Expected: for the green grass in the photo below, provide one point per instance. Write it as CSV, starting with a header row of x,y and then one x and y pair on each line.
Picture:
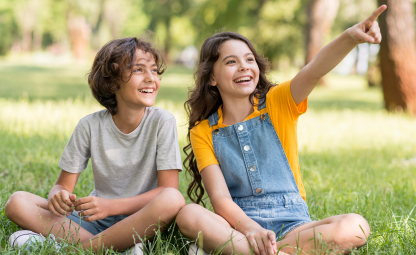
x,y
354,156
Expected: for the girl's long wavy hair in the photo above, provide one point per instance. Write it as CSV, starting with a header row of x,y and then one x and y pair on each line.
x,y
205,99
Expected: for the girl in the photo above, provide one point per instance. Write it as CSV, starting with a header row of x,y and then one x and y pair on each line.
x,y
242,130
134,153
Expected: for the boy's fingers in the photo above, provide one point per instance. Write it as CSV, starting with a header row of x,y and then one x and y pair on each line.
x,y
73,197
82,200
58,208
375,14
52,210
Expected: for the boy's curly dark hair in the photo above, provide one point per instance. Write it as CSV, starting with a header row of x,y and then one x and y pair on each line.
x,y
114,63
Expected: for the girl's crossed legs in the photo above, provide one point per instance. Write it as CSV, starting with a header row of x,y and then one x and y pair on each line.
x,y
340,233
31,212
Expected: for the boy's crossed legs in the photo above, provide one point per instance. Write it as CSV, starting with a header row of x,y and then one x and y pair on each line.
x,y
31,212
340,232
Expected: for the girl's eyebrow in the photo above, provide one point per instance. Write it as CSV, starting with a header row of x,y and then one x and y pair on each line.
x,y
234,56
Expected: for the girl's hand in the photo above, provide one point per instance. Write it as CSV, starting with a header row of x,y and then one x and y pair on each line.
x,y
367,30
262,240
96,208
60,204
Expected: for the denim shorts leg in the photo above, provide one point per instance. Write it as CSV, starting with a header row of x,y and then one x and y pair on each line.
x,y
280,213
98,226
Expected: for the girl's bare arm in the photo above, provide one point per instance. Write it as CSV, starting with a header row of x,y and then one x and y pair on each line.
x,y
224,206
330,56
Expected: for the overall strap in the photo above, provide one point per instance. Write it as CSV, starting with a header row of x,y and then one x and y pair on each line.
x,y
213,119
262,104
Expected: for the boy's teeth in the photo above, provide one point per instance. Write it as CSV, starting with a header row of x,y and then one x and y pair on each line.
x,y
146,90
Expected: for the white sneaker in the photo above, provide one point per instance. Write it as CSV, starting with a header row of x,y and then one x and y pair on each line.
x,y
196,250
29,238
135,250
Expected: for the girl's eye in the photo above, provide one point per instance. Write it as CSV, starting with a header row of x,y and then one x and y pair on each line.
x,y
230,62
250,59
154,70
138,70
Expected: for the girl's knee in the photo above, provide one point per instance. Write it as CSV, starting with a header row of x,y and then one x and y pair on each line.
x,y
188,216
353,229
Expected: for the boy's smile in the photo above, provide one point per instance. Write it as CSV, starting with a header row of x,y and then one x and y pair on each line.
x,y
142,87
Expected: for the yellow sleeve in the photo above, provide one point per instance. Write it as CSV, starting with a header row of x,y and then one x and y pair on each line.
x,y
201,141
280,97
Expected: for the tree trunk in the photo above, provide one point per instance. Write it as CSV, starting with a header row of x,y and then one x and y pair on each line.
x,y
79,32
398,55
321,15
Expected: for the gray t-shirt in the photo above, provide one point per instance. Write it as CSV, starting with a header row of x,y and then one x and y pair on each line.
x,y
124,165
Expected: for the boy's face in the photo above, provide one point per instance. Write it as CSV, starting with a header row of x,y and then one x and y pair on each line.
x,y
141,90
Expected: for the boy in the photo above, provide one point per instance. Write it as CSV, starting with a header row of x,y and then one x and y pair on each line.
x,y
134,154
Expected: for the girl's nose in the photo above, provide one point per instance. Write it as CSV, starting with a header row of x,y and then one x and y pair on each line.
x,y
244,68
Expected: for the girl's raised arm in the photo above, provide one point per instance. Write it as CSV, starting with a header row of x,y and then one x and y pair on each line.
x,y
330,56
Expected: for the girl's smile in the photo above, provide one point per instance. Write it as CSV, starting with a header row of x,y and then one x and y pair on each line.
x,y
236,72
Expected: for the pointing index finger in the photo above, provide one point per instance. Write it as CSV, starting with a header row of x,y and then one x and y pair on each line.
x,y
376,13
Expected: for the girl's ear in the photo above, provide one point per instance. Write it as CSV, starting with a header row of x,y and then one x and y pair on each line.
x,y
212,81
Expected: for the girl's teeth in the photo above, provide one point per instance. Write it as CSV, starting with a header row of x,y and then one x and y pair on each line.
x,y
243,79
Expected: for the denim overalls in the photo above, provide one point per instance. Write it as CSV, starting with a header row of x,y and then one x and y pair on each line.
x,y
258,174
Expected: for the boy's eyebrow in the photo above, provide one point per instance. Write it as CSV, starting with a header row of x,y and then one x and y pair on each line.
x,y
230,56
137,64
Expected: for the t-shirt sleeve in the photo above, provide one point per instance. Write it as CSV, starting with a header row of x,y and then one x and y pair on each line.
x,y
77,152
201,141
280,97
168,155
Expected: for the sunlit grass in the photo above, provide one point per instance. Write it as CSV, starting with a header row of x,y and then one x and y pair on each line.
x,y
354,156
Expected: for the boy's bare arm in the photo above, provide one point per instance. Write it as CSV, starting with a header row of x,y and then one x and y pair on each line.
x,y
99,208
60,197
332,54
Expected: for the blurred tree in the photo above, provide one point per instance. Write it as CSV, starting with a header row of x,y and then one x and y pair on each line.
x,y
26,16
321,15
8,27
274,26
398,55
161,13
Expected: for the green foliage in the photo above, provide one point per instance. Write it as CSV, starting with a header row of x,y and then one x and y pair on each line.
x,y
8,28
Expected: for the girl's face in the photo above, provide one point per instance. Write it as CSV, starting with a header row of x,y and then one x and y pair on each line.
x,y
236,72
141,90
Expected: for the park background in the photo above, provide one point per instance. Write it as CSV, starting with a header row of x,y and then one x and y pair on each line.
x,y
357,142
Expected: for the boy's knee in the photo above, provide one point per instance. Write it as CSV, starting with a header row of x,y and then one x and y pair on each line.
x,y
172,199
14,204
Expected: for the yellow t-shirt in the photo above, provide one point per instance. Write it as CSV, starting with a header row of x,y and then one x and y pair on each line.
x,y
284,114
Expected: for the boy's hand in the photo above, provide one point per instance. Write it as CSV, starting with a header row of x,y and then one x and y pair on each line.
x,y
262,240
367,30
60,204
96,208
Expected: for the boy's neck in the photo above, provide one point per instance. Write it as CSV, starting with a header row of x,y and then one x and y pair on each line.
x,y
127,120
236,111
